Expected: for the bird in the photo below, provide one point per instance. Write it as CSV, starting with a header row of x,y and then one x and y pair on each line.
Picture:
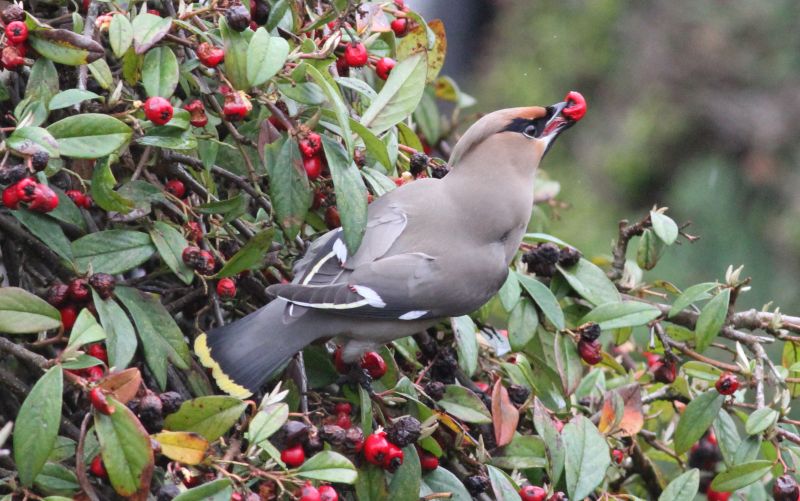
x,y
432,249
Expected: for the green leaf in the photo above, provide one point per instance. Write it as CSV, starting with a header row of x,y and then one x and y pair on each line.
x,y
160,72
523,452
210,416
71,97
568,362
37,422
85,331
148,30
617,315
590,282
101,73
288,186
218,490
649,250
587,457
329,466
378,181
235,55
761,420
682,488
170,244
789,358
702,370
250,256
740,475
727,436
126,451
664,227
696,418
357,85
266,423
46,230
325,81
24,313
406,481
442,480
399,96
57,479
120,336
553,442
464,405
112,251
65,47
690,295
544,298
173,138
466,343
509,293
90,135
351,194
711,320
67,211
502,485
103,193
120,34
29,140
162,339
265,57
371,484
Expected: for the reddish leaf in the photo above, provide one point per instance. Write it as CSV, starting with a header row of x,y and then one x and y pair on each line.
x,y
505,416
622,411
122,385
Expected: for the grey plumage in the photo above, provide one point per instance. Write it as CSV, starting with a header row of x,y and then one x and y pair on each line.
x,y
433,248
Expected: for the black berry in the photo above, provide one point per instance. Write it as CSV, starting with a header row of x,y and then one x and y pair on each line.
x,y
589,331
785,488
568,257
476,484
170,401
439,172
403,431
518,393
418,163
167,492
238,17
333,434
103,283
435,390
39,160
12,174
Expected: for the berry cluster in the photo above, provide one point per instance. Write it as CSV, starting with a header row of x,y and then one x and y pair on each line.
x,y
35,196
543,258
199,259
313,155
16,37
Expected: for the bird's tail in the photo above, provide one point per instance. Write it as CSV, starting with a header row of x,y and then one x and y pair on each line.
x,y
244,354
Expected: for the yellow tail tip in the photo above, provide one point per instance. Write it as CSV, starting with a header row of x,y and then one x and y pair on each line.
x,y
224,381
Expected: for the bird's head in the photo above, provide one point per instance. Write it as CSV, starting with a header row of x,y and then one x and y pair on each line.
x,y
524,134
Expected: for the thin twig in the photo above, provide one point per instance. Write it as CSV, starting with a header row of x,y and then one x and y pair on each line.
x,y
80,467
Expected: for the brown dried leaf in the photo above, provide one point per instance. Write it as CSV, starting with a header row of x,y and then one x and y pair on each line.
x,y
622,411
505,415
124,385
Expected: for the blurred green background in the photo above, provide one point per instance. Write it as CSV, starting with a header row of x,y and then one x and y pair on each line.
x,y
693,104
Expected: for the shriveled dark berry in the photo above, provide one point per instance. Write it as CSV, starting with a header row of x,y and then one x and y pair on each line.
x,y
705,455
548,252
313,444
439,172
444,368
151,413
260,12
785,488
228,248
568,256
589,331
238,17
435,390
518,393
12,13
476,484
291,433
167,492
332,434
665,371
39,160
104,284
12,174
354,439
170,401
403,431
79,290
541,260
590,351
418,163
57,295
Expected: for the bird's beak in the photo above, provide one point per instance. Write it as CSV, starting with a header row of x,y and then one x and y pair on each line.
x,y
564,114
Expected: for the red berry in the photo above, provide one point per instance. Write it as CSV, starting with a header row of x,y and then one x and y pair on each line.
x,y
191,256
99,401
713,495
400,26
313,167
78,197
207,263
665,371
384,66
328,493
194,232
44,199
209,56
711,437
98,351
57,295
651,358
393,458
68,315
309,493
97,467
10,197
94,373
374,364
293,456
226,288
482,386
79,290
428,461
154,12
341,66
590,351
355,54
16,32
400,4
197,112
785,488
311,145
727,384
176,188
234,112
376,448
344,408
532,493
576,106
13,57
341,366
343,421
158,110
26,189
618,456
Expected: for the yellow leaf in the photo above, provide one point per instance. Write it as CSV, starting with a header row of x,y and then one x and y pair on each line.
x,y
184,446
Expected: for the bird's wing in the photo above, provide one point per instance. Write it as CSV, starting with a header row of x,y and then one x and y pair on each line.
x,y
399,287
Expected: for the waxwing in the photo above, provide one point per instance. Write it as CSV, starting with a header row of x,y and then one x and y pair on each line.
x,y
432,249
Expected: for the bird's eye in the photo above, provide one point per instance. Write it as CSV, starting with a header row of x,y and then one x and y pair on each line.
x,y
530,131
